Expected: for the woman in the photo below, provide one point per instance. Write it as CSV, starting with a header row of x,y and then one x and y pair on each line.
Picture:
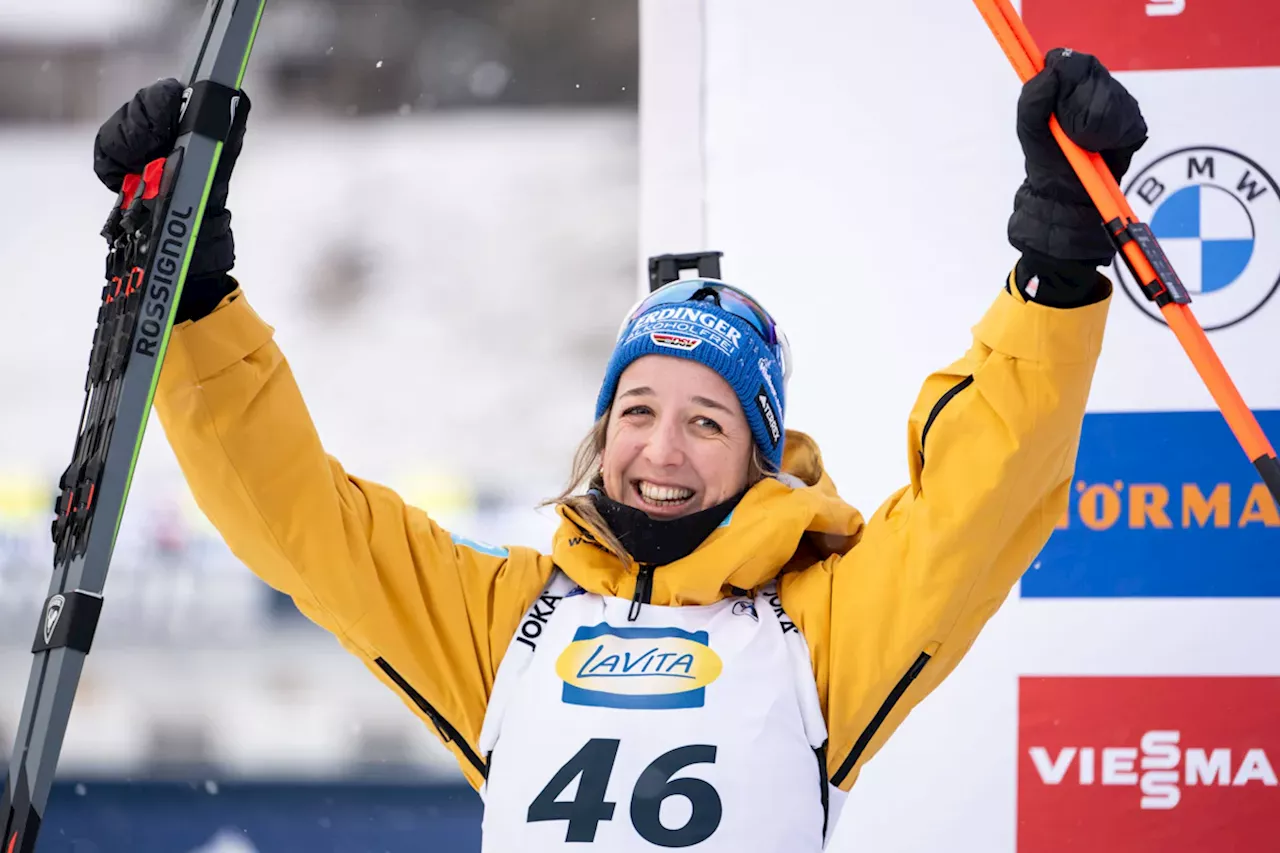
x,y
716,638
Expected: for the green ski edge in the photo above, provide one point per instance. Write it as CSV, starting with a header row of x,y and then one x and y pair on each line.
x,y
182,279
244,63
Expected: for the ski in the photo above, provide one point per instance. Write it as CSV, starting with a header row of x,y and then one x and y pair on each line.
x,y
150,234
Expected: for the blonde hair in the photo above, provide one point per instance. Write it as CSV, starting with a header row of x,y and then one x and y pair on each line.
x,y
586,474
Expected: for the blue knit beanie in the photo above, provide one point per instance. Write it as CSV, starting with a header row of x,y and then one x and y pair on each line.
x,y
703,332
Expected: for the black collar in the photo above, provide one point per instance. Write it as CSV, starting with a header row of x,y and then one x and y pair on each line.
x,y
656,542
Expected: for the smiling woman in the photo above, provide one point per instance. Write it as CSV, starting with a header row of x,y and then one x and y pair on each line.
x,y
678,441
674,444
710,546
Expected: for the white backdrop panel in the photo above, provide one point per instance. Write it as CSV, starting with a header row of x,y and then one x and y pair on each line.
x,y
856,162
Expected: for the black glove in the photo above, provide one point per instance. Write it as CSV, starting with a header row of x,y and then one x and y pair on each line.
x,y
1054,223
145,128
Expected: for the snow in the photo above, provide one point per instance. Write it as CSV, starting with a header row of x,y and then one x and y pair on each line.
x,y
74,20
227,841
447,289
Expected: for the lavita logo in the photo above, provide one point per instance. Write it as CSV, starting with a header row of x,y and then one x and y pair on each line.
x,y
51,614
637,668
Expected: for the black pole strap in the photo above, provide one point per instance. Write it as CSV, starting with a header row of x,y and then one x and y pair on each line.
x,y
1166,287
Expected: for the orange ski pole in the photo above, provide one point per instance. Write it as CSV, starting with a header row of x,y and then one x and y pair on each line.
x,y
1141,252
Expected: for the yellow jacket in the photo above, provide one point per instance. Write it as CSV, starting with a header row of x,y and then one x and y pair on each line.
x,y
888,607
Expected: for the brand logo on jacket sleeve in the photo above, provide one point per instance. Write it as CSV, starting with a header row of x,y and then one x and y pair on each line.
x,y
646,668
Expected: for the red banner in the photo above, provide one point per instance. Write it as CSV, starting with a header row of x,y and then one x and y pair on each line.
x,y
1148,765
1139,35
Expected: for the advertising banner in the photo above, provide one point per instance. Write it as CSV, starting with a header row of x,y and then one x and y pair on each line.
x,y
205,816
1145,35
1164,504
1216,213
1148,765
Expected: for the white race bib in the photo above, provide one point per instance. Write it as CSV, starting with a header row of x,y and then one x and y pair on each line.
x,y
690,727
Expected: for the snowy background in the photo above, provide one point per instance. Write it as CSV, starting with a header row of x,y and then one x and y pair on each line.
x,y
443,208
436,209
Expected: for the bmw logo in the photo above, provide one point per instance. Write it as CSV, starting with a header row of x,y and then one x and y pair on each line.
x,y
1216,214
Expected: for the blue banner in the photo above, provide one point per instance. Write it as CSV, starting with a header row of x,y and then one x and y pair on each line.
x,y
1163,504
209,817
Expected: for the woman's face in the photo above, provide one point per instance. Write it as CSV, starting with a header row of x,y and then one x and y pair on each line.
x,y
677,440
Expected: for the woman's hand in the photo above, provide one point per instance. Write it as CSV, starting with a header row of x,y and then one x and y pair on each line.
x,y
146,128
1053,216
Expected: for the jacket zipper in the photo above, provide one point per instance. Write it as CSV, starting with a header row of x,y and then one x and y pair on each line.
x,y
826,792
909,676
448,732
939,406
644,591
878,720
